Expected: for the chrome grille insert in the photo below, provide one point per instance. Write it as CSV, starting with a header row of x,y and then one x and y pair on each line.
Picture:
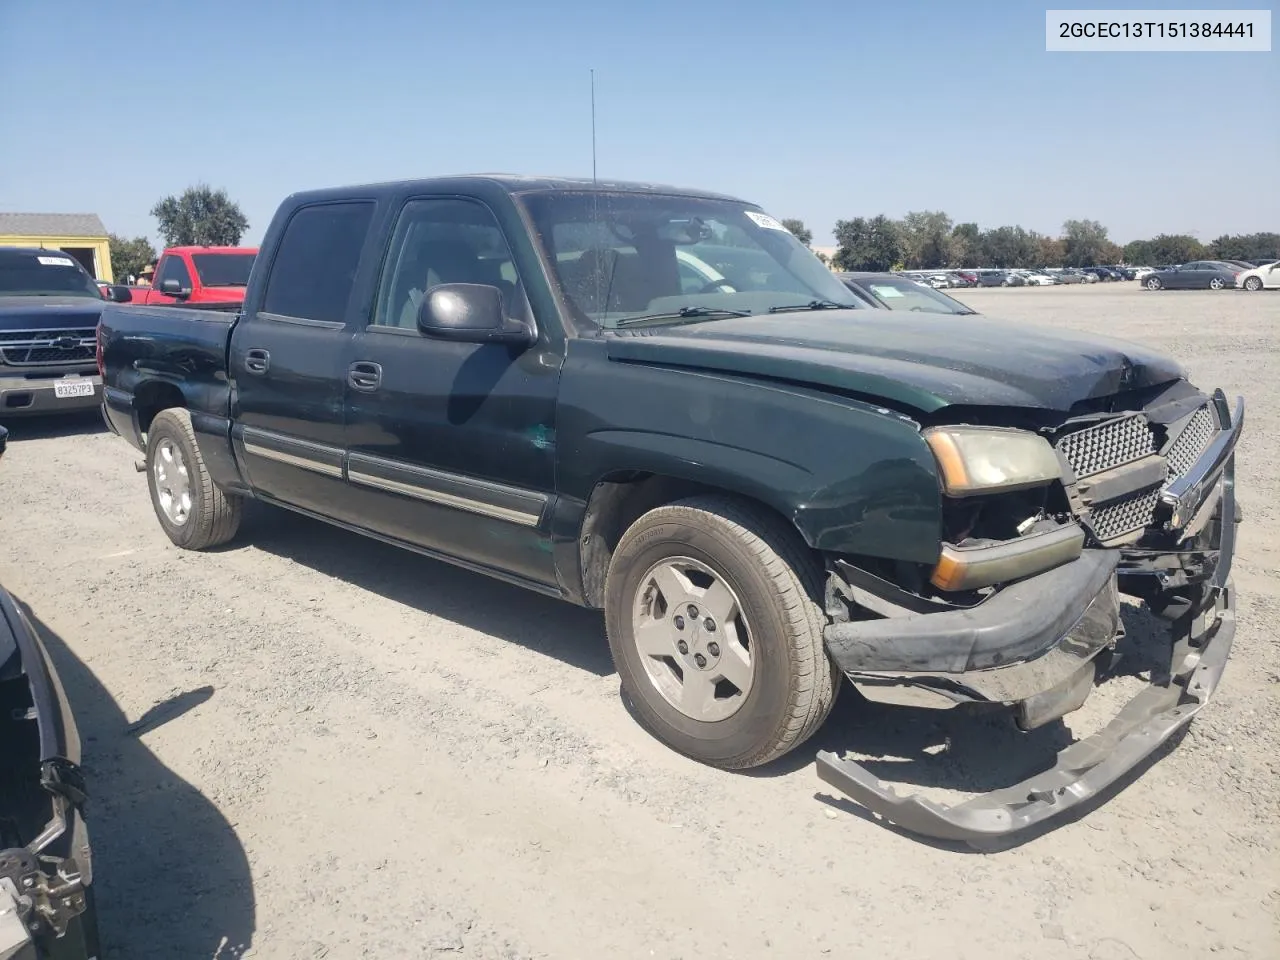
x,y
1113,520
24,348
1103,446
1187,446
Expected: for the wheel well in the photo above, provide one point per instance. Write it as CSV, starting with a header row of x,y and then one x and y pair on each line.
x,y
152,397
617,501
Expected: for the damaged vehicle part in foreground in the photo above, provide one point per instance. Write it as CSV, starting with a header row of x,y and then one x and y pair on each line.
x,y
46,907
1036,643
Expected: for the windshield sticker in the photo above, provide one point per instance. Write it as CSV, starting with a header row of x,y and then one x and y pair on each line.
x,y
56,261
764,221
886,291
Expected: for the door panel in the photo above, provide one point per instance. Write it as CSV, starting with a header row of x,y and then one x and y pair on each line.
x,y
287,361
454,448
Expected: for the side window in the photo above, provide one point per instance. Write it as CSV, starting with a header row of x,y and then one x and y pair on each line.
x,y
442,241
173,268
315,267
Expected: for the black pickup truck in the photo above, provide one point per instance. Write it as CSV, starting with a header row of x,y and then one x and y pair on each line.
x,y
659,403
49,307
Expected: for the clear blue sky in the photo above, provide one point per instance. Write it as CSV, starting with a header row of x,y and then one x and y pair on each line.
x,y
816,110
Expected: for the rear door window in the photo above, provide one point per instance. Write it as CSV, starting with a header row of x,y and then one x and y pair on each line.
x,y
314,269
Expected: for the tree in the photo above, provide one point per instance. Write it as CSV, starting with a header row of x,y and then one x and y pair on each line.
x,y
865,244
799,230
1172,248
1086,242
1248,246
128,257
1050,252
926,239
1009,247
200,217
966,245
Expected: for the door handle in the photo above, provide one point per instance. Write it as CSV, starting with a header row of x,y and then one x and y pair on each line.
x,y
257,361
364,376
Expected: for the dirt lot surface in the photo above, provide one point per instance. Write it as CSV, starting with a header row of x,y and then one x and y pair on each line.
x,y
312,745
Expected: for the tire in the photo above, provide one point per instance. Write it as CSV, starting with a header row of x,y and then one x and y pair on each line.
x,y
1153,283
766,572
1253,284
194,513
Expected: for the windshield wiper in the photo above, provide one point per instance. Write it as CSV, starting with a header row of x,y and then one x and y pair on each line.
x,y
686,313
814,305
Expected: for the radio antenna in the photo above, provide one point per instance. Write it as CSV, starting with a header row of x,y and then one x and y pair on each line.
x,y
593,126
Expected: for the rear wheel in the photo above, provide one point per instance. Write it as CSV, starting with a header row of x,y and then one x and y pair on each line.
x,y
1216,283
194,513
1153,283
716,632
1253,284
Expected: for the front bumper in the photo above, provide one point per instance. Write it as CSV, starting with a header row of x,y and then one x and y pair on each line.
x,y
27,397
1034,645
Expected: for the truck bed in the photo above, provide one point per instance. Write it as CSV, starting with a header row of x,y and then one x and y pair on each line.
x,y
156,354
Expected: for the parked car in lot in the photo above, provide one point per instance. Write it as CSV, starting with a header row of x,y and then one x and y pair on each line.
x,y
199,275
1264,277
49,308
764,487
46,875
892,291
1196,275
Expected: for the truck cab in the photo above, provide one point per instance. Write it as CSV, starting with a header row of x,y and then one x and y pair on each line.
x,y
199,275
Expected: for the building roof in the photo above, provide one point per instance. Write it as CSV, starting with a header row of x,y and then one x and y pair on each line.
x,y
51,225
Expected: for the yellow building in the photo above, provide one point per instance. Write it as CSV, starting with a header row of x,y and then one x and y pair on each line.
x,y
78,235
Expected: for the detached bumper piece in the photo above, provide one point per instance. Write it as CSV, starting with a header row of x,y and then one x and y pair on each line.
x,y
1083,769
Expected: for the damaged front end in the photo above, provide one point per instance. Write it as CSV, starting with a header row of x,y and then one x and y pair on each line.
x,y
1143,505
45,858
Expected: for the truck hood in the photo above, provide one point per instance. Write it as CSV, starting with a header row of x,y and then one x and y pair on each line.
x,y
924,361
49,313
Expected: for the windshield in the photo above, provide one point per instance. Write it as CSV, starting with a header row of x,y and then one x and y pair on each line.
x,y
622,257
899,293
224,269
44,273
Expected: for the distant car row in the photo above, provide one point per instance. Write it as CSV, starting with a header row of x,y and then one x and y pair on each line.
x,y
1198,274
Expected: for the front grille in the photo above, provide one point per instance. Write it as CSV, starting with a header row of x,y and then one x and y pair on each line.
x,y
1114,443
1103,446
1192,441
1113,520
21,348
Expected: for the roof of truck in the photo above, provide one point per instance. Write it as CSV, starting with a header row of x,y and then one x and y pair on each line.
x,y
518,183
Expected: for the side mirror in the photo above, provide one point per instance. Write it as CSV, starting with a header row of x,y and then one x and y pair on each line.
x,y
469,313
119,294
174,288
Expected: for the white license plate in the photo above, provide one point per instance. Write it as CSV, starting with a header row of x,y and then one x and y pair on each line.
x,y
63,389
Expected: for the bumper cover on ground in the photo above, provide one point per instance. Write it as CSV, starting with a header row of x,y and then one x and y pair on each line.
x,y
1082,770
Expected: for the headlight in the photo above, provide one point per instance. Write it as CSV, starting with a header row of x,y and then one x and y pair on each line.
x,y
985,459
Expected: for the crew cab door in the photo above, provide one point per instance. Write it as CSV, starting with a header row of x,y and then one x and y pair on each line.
x,y
451,446
287,359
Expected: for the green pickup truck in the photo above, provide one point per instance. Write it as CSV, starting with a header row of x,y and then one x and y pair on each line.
x,y
658,402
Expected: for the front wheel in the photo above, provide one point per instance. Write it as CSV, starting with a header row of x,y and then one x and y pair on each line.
x,y
714,623
1253,284
194,513
1153,283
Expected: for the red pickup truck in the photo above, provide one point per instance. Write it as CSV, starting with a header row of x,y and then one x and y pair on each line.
x,y
199,275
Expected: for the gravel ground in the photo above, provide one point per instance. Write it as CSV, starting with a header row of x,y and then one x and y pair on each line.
x,y
310,745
